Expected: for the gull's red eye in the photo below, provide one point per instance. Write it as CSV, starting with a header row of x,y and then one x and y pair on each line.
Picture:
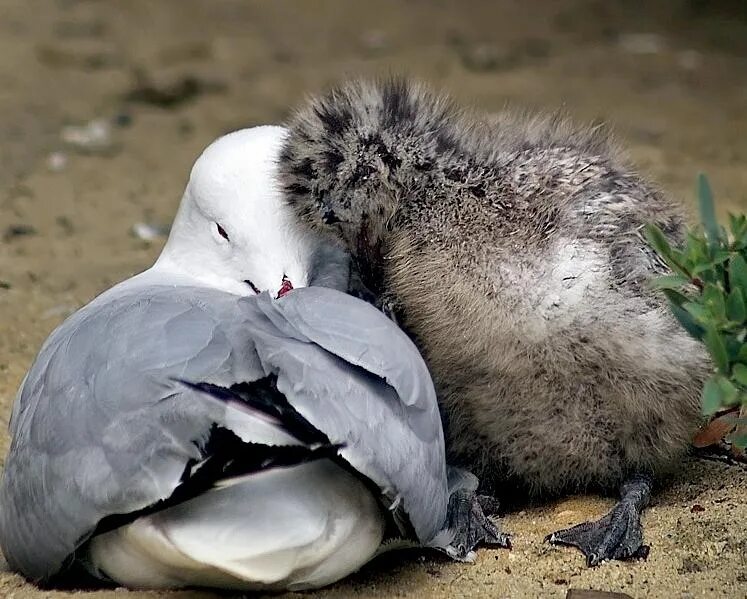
x,y
222,232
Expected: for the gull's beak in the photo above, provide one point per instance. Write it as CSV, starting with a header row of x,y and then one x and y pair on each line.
x,y
285,288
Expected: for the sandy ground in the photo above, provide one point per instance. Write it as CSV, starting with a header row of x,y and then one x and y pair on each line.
x,y
170,76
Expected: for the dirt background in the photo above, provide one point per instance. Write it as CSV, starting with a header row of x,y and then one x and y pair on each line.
x,y
167,77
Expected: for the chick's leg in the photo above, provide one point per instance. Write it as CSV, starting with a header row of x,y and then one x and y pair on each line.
x,y
619,534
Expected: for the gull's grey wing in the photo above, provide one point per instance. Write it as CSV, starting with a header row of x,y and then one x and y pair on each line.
x,y
99,427
370,389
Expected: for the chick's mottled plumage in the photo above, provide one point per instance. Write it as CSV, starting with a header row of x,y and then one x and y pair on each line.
x,y
511,249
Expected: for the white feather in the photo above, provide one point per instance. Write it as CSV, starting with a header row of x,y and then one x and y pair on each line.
x,y
296,528
233,184
253,427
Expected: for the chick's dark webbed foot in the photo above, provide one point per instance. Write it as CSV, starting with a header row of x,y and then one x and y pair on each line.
x,y
473,518
619,534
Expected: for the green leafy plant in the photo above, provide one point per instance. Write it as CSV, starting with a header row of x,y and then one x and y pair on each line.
x,y
707,292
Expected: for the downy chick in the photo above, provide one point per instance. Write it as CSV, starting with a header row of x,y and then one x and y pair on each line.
x,y
511,251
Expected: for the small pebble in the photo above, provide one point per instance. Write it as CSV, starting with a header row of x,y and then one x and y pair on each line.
x,y
149,232
93,137
14,231
123,119
57,162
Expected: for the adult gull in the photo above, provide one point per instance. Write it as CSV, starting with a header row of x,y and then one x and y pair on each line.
x,y
229,418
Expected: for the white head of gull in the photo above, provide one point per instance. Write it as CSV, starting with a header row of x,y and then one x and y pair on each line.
x,y
233,231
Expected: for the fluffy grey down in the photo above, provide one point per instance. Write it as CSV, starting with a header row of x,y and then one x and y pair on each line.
x,y
510,248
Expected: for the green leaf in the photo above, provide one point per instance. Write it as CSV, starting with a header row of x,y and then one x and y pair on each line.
x,y
707,211
742,357
659,242
729,392
713,298
733,347
737,224
696,247
675,297
669,282
735,306
738,274
717,348
701,268
723,236
720,257
699,312
711,397
738,440
739,373
688,322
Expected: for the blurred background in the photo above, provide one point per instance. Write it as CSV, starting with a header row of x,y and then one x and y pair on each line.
x,y
671,75
105,104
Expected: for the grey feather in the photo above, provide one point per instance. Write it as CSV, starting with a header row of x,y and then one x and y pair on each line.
x,y
330,267
400,419
99,426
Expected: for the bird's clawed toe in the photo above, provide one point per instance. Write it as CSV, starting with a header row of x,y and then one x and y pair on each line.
x,y
618,535
473,519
